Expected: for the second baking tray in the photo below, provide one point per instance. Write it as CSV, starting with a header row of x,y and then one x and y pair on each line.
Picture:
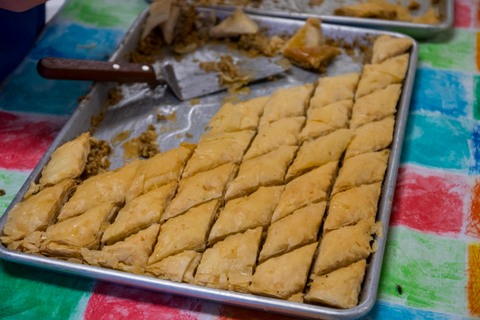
x,y
301,9
139,108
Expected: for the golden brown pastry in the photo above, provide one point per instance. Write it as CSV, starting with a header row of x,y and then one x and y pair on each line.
x,y
287,102
186,232
66,238
334,89
378,10
351,206
324,120
293,231
245,213
110,186
234,25
375,106
37,212
67,162
229,263
284,276
218,149
320,151
130,255
178,268
366,168
371,137
272,135
339,288
386,46
235,117
266,170
309,188
380,75
159,170
139,213
344,246
200,188
30,244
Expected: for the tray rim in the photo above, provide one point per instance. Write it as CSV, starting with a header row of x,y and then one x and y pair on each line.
x,y
223,296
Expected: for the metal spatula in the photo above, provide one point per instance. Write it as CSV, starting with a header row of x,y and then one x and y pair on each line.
x,y
186,82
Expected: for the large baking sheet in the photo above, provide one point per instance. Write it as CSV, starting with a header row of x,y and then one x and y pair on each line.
x,y
139,108
300,9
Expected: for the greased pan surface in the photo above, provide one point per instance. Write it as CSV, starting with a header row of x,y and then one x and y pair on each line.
x,y
139,108
302,9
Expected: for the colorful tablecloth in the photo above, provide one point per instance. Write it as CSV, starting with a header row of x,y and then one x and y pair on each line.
x,y
432,260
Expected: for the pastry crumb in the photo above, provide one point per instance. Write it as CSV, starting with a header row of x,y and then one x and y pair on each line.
x,y
114,96
97,159
144,146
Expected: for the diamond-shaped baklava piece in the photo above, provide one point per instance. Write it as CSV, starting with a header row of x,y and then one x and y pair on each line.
x,y
284,276
178,268
334,89
339,288
293,231
245,213
139,213
229,263
266,170
371,137
200,188
344,246
306,189
385,47
185,232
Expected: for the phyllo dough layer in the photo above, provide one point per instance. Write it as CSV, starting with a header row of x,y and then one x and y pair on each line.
x,y
386,47
333,89
178,268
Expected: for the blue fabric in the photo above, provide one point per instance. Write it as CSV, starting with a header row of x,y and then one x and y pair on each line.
x,y
18,31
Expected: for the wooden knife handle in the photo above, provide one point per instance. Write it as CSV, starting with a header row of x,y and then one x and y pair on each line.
x,y
73,69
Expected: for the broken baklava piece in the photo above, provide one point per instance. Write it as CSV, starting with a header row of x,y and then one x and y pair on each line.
x,y
307,47
376,105
320,151
306,189
287,102
266,170
200,188
229,264
110,186
130,255
37,212
380,75
66,238
178,268
365,168
272,135
67,162
234,25
245,213
298,229
325,120
284,276
344,246
218,149
377,10
386,47
159,170
185,232
371,137
334,89
351,206
339,288
139,213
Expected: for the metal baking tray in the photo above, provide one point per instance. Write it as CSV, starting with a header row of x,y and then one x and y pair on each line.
x,y
139,108
300,9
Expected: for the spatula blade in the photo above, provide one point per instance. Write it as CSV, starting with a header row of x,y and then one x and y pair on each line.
x,y
188,84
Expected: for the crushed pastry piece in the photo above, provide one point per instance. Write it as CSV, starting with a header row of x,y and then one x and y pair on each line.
x,y
260,44
339,288
307,47
234,25
144,146
228,72
97,160
114,96
368,10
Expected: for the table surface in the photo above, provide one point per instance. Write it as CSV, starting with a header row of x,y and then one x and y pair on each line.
x,y
433,247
